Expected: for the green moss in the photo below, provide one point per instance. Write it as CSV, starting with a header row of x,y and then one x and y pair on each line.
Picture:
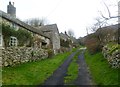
x,y
101,71
113,48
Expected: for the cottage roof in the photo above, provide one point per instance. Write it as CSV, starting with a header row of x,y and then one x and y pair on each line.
x,y
64,36
47,29
21,23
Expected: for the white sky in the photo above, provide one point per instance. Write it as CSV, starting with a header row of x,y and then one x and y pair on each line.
x,y
67,14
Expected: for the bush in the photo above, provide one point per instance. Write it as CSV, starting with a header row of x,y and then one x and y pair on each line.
x,y
93,44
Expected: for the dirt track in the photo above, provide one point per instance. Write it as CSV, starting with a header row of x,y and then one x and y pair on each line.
x,y
57,78
84,77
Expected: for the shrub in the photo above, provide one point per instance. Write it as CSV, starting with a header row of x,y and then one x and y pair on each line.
x,y
92,43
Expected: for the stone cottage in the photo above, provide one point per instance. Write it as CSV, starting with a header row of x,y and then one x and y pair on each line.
x,y
10,19
52,32
15,51
70,40
64,37
65,42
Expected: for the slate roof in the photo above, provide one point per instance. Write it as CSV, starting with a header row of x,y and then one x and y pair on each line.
x,y
21,23
64,36
49,29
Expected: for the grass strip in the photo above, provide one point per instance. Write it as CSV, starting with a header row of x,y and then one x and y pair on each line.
x,y
101,71
72,72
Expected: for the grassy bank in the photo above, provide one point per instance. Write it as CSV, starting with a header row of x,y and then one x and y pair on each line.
x,y
101,72
72,70
32,73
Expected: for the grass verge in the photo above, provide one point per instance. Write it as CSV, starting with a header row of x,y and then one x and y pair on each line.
x,y
32,73
102,73
72,70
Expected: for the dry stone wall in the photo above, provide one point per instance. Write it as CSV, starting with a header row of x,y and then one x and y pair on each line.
x,y
17,55
112,57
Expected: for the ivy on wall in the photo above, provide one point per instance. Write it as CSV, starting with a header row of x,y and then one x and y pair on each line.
x,y
24,37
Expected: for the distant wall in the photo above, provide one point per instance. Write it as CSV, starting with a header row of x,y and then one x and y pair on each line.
x,y
17,55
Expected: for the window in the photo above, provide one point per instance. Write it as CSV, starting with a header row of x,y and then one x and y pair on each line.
x,y
13,41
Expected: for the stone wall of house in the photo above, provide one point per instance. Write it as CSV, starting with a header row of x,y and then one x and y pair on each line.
x,y
17,55
112,56
0,58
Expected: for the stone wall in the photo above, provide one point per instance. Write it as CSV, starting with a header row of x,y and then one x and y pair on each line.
x,y
17,55
112,55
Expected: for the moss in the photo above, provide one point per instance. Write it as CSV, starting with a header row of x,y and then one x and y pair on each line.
x,y
113,48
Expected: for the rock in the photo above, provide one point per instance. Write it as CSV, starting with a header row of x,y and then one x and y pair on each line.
x,y
5,64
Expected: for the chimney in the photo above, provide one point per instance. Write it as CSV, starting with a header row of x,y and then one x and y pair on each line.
x,y
13,3
9,2
65,32
11,9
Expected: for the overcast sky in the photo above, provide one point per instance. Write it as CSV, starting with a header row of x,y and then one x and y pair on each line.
x,y
67,14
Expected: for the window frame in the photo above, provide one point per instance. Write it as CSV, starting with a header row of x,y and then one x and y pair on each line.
x,y
13,41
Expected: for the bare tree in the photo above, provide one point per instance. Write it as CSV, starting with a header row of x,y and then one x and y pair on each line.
x,y
100,22
109,12
70,33
36,22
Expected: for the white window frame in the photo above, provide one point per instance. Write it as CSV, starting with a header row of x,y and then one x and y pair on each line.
x,y
13,41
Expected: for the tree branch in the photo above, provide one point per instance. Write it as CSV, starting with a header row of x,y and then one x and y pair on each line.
x,y
109,13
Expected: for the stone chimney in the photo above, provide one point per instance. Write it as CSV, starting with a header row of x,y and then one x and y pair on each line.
x,y
11,9
65,33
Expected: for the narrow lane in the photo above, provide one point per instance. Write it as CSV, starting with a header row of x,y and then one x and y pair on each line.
x,y
57,78
84,77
